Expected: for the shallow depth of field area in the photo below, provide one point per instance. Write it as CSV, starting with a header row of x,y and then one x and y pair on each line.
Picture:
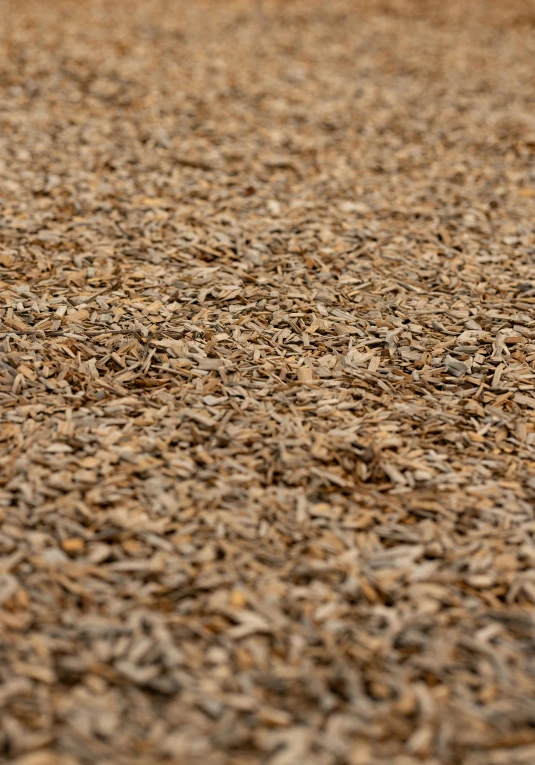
x,y
267,391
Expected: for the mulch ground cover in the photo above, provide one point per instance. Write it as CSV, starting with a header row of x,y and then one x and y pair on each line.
x,y
267,389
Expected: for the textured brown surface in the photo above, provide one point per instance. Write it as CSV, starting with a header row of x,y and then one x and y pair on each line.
x,y
266,383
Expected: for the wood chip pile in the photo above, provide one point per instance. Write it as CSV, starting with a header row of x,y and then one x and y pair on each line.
x,y
267,390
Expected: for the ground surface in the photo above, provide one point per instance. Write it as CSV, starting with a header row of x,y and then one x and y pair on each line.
x,y
267,389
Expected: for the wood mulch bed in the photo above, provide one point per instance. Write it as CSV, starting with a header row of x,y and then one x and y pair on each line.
x,y
267,389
